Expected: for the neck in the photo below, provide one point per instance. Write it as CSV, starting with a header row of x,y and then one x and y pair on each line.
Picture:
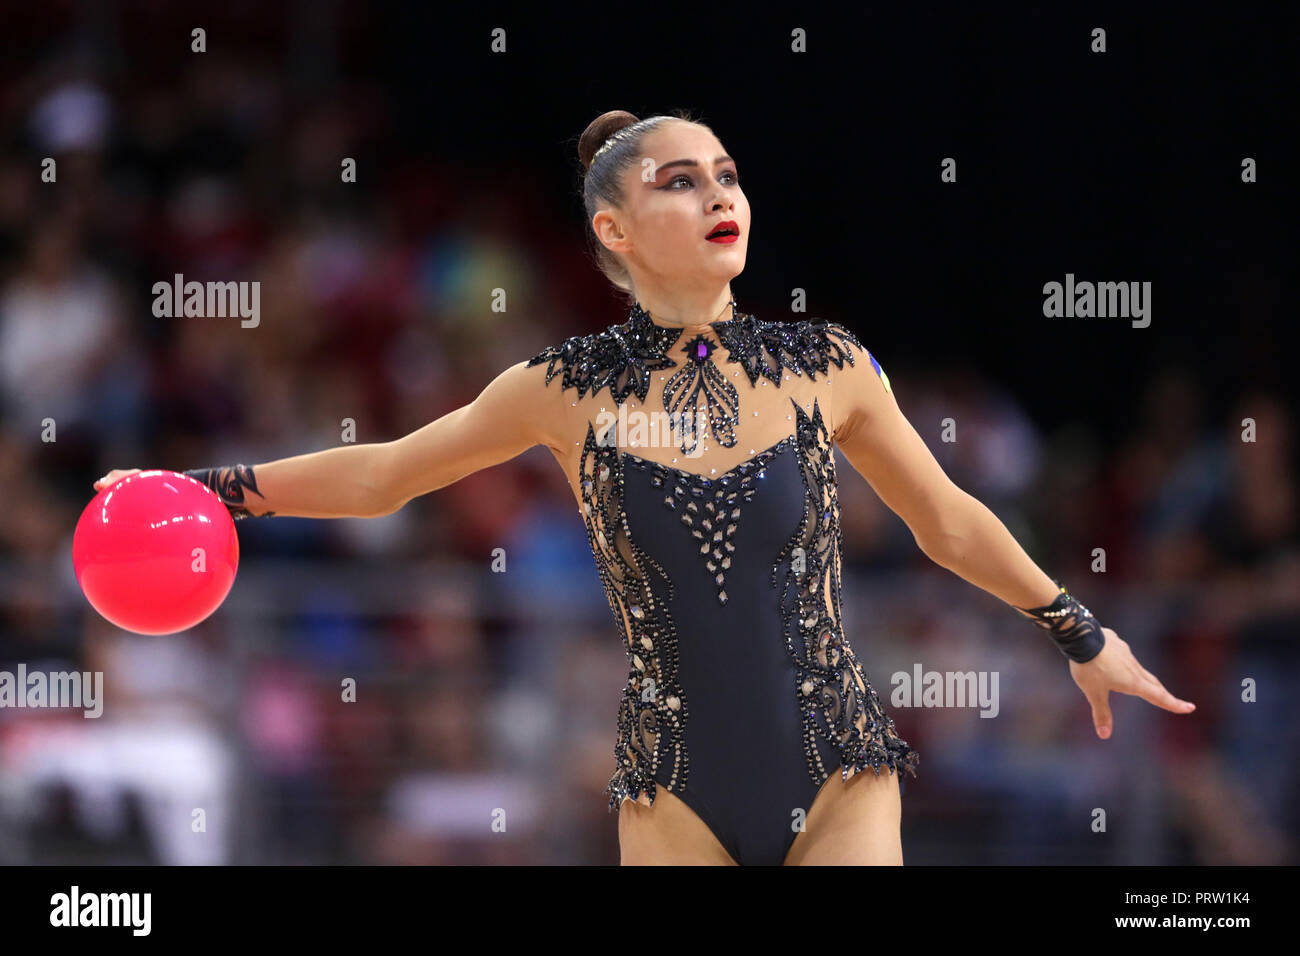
x,y
691,314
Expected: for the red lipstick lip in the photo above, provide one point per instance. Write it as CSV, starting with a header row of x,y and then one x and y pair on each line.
x,y
725,224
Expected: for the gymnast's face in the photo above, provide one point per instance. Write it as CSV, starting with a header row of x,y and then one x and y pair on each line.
x,y
671,203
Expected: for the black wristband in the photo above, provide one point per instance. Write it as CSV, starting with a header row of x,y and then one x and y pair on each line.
x,y
229,482
1071,625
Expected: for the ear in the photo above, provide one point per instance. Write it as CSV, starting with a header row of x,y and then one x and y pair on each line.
x,y
609,231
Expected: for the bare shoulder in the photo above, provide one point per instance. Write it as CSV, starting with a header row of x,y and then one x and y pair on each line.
x,y
520,393
584,374
856,389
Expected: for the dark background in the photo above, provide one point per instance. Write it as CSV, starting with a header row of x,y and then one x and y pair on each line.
x,y
480,687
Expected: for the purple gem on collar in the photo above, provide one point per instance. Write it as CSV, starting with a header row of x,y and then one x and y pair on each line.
x,y
699,349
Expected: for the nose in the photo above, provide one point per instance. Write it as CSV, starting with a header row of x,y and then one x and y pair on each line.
x,y
722,201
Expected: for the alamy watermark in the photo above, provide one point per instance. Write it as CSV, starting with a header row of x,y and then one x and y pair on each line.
x,y
1101,300
75,908
642,429
923,688
59,689
178,298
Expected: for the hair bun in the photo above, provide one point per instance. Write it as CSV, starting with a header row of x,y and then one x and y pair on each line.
x,y
599,130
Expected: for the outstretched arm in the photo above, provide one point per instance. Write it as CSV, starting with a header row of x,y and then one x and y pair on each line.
x,y
370,480
960,533
953,529
515,412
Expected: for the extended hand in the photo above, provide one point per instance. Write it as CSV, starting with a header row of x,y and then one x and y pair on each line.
x,y
114,476
1116,669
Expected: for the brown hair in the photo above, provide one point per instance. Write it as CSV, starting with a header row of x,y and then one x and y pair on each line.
x,y
610,145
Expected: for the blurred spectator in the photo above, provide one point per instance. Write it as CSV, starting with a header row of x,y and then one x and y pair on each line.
x,y
373,691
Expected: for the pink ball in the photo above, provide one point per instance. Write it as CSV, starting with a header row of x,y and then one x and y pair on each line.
x,y
156,552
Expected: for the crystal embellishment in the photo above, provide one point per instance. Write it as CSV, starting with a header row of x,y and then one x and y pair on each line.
x,y
837,706
653,712
622,358
711,506
838,703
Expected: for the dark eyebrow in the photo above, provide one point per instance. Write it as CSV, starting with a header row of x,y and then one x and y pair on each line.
x,y
691,162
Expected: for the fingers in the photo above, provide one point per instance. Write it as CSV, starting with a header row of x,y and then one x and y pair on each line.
x,y
1120,672
113,476
1101,716
1148,688
1153,692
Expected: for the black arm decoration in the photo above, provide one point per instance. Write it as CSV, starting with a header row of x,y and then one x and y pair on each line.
x,y
1071,625
229,483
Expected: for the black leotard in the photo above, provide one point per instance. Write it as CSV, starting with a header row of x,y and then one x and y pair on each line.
x,y
743,693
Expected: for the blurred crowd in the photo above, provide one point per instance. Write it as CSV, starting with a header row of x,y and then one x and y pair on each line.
x,y
482,688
